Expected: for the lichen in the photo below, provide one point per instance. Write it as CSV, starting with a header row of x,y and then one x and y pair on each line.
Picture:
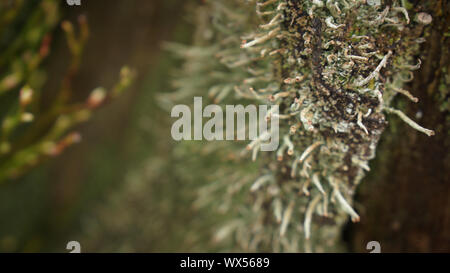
x,y
333,67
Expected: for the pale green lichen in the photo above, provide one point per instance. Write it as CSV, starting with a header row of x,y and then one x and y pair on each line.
x,y
333,67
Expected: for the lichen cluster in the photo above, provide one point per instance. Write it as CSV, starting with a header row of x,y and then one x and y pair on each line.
x,y
333,67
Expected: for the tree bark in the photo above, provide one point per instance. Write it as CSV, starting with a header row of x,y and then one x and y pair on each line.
x,y
406,198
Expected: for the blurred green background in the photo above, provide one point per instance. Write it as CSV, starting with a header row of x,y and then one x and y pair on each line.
x,y
111,192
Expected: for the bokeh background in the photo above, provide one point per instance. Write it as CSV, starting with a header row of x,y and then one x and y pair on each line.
x,y
110,192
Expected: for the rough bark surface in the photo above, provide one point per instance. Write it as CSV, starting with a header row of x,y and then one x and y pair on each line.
x,y
407,196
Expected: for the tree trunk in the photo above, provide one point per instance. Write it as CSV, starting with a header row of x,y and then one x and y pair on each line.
x,y
407,196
